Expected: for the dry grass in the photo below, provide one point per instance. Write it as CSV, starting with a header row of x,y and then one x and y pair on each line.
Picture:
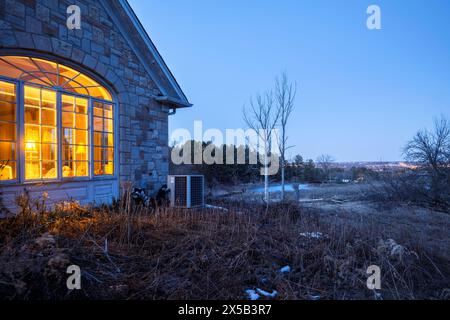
x,y
131,253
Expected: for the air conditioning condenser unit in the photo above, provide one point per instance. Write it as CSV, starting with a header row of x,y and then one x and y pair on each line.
x,y
187,191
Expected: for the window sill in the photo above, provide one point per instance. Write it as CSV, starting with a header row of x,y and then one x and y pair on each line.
x,y
16,183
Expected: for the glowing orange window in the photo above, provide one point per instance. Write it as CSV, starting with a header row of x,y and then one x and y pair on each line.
x,y
8,131
75,140
103,139
62,129
41,137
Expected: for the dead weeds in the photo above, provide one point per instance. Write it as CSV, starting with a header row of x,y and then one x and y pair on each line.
x,y
133,253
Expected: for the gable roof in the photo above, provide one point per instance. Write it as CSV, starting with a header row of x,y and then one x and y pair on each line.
x,y
139,40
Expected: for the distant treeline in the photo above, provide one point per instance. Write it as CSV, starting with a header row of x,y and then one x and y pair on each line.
x,y
297,169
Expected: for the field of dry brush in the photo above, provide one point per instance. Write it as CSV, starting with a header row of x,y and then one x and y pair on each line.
x,y
126,252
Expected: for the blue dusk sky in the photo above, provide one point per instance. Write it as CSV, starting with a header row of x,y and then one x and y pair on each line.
x,y
361,93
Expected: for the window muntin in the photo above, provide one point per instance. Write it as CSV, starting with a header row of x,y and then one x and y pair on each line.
x,y
57,110
50,74
40,138
103,138
8,131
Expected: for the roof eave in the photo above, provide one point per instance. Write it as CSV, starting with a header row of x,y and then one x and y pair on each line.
x,y
173,103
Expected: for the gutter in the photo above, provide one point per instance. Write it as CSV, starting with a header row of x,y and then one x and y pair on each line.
x,y
172,102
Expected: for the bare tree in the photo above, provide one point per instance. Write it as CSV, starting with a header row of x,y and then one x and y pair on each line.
x,y
430,150
262,116
325,162
285,93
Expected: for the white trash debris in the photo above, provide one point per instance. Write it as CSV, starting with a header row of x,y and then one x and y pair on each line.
x,y
252,295
285,269
312,235
267,294
256,294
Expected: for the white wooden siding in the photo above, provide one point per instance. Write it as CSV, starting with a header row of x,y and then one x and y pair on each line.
x,y
85,192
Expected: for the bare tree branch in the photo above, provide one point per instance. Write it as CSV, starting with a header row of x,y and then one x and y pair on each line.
x,y
325,162
262,116
285,93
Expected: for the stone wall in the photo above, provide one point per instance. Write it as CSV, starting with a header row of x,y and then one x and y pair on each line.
x,y
40,26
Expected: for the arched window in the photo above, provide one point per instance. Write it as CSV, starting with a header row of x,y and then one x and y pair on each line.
x,y
56,123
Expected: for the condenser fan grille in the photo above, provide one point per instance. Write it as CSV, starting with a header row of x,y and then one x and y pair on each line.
x,y
196,191
181,191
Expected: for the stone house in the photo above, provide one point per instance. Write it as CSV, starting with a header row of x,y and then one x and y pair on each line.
x,y
83,112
